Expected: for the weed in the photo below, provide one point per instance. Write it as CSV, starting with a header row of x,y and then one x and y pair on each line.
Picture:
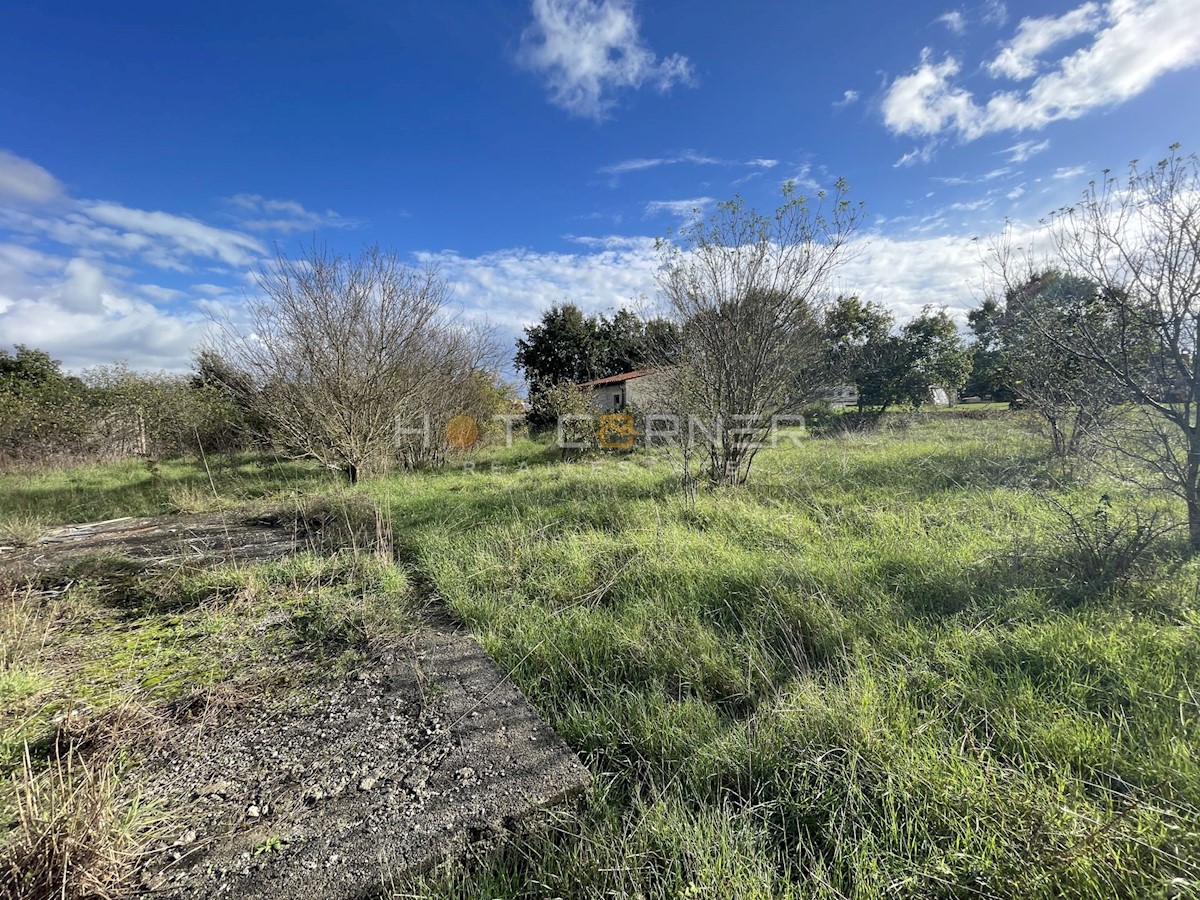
x,y
21,531
76,834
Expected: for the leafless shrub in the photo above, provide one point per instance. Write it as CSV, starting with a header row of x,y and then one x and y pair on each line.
x,y
1138,333
745,290
345,354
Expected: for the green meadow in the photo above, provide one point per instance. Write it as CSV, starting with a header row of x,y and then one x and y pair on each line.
x,y
911,662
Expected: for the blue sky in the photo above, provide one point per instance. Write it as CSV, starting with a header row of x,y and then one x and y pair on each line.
x,y
153,155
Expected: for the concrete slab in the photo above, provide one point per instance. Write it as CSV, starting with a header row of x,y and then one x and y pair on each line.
x,y
335,785
334,792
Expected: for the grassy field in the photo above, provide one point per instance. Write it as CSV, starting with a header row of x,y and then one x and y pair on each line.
x,y
888,667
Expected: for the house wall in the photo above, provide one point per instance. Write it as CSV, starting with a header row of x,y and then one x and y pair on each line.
x,y
608,398
644,392
640,392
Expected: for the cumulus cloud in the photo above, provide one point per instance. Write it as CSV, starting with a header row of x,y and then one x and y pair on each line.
x,y
511,288
81,313
905,274
927,101
23,181
1132,44
588,50
259,213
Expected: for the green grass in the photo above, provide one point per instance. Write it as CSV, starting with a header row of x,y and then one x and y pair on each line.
x,y
862,675
856,677
116,634
141,488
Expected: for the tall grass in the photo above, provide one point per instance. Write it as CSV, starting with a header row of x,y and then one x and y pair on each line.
x,y
857,677
876,671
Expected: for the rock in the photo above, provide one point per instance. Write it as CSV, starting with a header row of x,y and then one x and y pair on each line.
x,y
215,789
367,783
252,812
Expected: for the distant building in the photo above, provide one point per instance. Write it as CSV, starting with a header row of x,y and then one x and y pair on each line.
x,y
616,392
841,395
845,395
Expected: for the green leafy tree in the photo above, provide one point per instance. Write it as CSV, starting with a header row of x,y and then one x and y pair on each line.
x,y
568,347
989,374
891,366
565,345
938,356
43,411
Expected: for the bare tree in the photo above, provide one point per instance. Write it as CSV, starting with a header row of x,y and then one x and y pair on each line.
x,y
342,349
1138,240
745,290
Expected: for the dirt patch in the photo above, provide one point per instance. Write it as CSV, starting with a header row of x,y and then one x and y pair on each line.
x,y
331,784
333,792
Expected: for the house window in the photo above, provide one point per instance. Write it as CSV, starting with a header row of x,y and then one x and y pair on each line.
x,y
616,399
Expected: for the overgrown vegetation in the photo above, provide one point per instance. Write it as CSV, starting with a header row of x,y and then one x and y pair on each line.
x,y
867,674
101,656
884,668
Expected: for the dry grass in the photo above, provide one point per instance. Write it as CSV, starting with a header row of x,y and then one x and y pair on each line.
x,y
21,531
26,620
75,835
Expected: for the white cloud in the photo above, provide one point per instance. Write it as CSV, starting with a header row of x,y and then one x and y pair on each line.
x,y
680,208
1019,57
995,13
1141,40
23,181
848,98
905,274
1016,192
79,313
690,157
260,213
175,237
954,21
511,288
1001,172
1069,172
926,101
921,154
1023,150
588,50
